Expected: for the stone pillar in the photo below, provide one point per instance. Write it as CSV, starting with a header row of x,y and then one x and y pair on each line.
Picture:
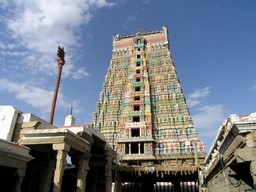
x,y
253,172
33,169
20,173
62,151
251,143
47,170
83,168
108,173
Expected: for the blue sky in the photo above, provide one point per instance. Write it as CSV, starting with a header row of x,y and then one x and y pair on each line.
x,y
213,44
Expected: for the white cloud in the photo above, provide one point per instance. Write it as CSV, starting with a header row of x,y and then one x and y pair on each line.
x,y
200,93
129,20
13,53
44,23
198,96
2,45
209,118
206,117
32,94
7,46
38,27
3,3
31,31
75,73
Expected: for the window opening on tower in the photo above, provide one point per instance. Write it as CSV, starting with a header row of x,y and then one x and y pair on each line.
x,y
137,88
136,107
136,119
137,98
135,132
137,148
138,63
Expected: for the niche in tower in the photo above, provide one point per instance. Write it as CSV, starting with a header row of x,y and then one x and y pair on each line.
x,y
139,41
137,88
136,108
136,98
135,132
135,119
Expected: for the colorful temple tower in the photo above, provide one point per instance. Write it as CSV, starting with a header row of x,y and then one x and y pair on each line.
x,y
142,110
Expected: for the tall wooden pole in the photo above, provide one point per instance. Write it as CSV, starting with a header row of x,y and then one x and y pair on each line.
x,y
61,62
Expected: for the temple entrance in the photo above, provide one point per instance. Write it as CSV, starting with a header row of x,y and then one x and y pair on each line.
x,y
160,181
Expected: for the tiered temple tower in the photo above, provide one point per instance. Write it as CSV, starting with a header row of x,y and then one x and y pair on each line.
x,y
142,110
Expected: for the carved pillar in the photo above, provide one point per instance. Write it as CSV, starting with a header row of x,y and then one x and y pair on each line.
x,y
32,171
46,174
108,173
251,143
83,168
109,156
62,150
253,172
20,173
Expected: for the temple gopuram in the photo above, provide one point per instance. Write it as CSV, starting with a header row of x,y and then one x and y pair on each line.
x,y
143,114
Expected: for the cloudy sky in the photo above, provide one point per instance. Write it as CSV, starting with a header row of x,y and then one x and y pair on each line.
x,y
213,44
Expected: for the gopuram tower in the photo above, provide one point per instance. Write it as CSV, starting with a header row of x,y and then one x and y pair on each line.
x,y
143,113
